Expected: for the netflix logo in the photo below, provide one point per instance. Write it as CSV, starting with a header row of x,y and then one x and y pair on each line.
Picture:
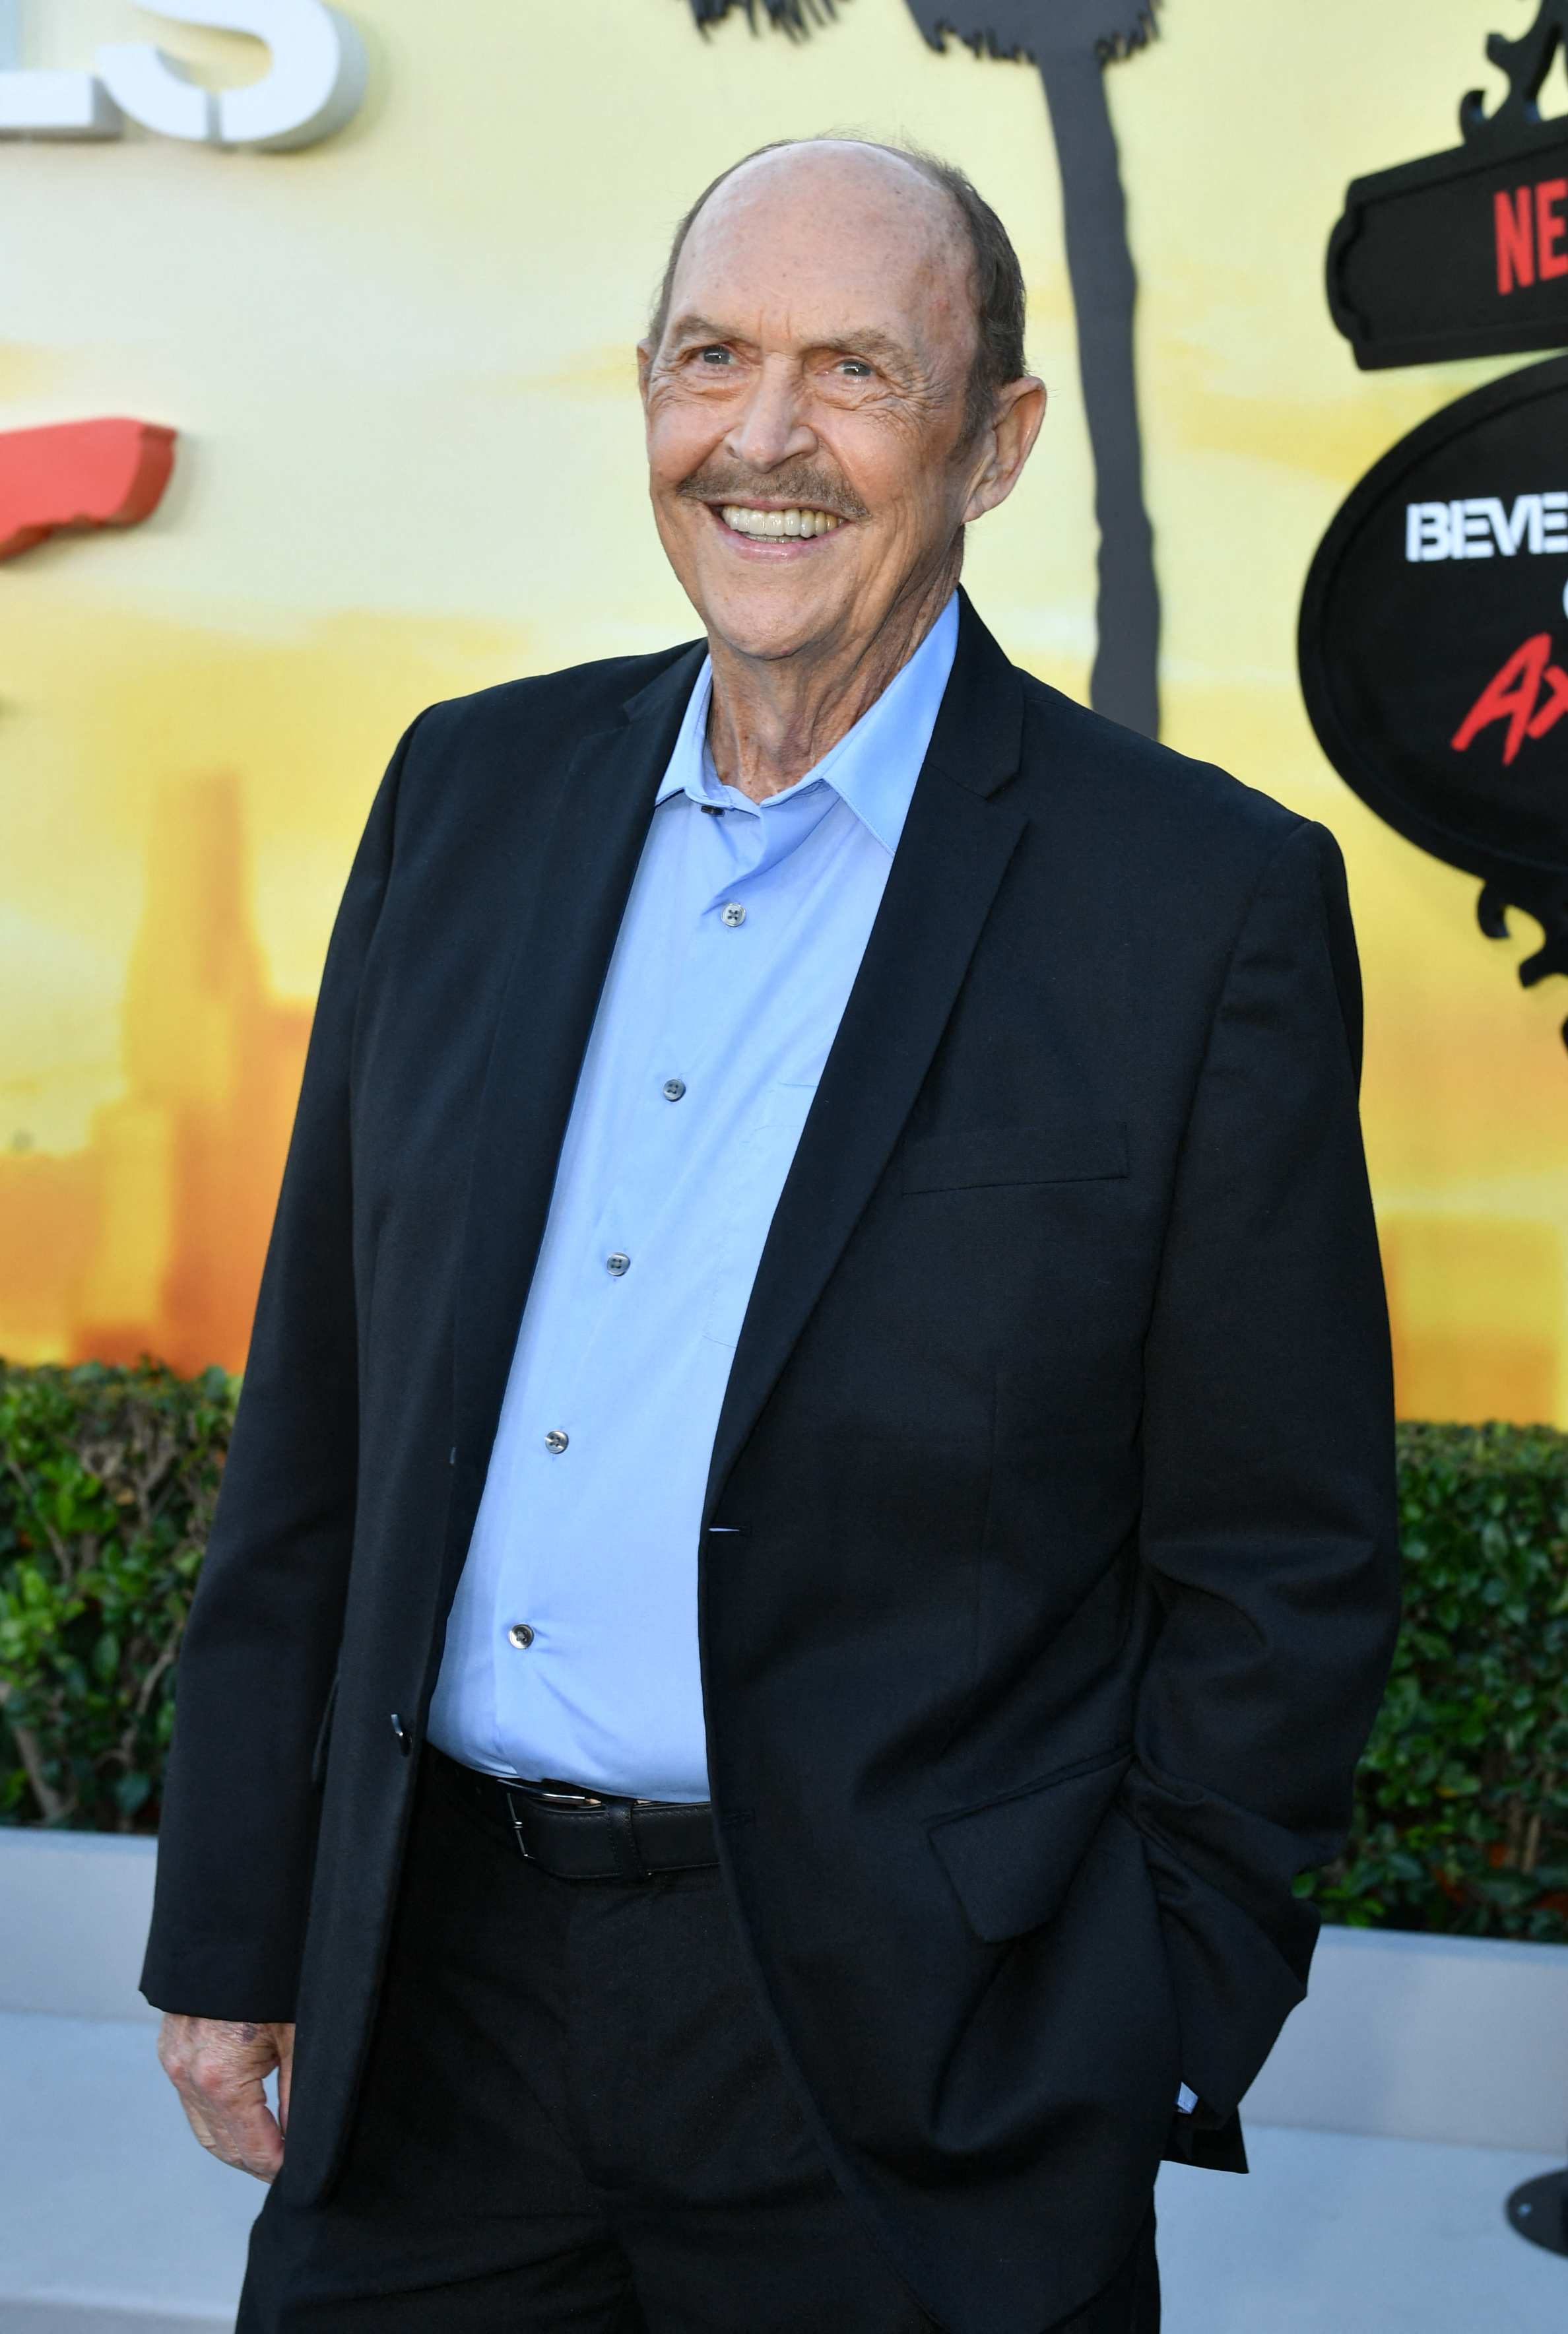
x,y
1463,254
1532,234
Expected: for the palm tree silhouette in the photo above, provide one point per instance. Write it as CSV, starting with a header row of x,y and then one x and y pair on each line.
x,y
1072,41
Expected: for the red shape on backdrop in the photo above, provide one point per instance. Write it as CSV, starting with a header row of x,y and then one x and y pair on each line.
x,y
1510,696
79,475
1515,239
1553,704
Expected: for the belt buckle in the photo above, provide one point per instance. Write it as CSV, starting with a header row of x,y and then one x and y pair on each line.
x,y
548,1793
559,1794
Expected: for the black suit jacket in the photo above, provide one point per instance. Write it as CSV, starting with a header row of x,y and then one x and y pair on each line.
x,y
1048,1575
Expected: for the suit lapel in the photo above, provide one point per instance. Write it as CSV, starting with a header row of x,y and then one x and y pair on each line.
x,y
590,857
953,853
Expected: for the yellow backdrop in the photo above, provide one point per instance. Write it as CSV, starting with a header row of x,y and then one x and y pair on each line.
x,y
409,464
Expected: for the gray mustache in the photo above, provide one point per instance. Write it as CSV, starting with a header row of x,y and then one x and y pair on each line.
x,y
792,482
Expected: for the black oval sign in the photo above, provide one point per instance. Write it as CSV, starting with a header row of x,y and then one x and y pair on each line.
x,y
1434,645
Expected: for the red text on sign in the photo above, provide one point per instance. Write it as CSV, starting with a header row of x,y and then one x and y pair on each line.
x,y
1532,234
1530,694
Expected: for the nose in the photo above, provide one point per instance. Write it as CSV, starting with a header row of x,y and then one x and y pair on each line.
x,y
773,427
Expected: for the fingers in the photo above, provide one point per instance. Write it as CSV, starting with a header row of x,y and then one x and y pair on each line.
x,y
219,2070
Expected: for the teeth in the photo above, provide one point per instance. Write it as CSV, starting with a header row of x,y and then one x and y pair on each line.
x,y
772,526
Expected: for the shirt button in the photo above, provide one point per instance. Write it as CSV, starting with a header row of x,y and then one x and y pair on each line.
x,y
732,913
521,1635
557,1439
617,1263
673,1088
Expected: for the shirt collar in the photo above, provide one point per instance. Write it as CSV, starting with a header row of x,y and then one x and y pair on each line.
x,y
874,766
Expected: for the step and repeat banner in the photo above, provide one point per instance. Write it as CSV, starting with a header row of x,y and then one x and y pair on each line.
x,y
317,403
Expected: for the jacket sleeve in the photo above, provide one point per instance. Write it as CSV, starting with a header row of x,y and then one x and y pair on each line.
x,y
238,1834
1269,1532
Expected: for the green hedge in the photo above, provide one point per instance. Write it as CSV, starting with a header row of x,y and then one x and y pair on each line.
x,y
107,1478
107,1483
1461,1814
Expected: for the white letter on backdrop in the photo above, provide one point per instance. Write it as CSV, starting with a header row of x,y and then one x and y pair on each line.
x,y
48,104
317,81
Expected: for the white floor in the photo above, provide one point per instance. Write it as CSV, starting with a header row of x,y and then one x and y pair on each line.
x,y
111,2216
113,2222
1331,2234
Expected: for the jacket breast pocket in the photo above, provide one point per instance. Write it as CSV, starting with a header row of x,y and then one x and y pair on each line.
x,y
992,1155
1011,1862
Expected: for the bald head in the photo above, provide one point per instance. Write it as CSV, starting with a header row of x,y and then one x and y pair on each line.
x,y
814,450
966,236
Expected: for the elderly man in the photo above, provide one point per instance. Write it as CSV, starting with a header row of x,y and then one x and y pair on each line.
x,y
809,1545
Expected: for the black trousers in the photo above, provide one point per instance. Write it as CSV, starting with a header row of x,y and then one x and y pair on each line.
x,y
575,2123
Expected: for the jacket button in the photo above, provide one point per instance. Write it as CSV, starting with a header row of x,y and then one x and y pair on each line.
x,y
521,1635
405,1740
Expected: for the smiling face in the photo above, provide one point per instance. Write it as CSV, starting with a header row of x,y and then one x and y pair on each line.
x,y
806,404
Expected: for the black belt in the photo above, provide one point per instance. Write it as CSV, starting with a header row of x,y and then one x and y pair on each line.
x,y
577,1835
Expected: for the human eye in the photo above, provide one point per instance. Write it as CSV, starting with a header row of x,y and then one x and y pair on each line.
x,y
715,355
854,368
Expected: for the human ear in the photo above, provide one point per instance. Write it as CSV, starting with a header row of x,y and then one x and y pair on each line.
x,y
1006,444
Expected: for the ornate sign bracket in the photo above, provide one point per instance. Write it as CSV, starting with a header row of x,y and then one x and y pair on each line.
x,y
1527,62
1430,643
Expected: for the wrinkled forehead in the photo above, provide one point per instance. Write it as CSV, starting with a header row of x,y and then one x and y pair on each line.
x,y
829,234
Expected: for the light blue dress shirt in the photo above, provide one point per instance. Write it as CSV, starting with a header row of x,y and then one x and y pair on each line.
x,y
571,1650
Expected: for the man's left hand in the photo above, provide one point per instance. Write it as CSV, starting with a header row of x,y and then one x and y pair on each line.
x,y
219,2067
